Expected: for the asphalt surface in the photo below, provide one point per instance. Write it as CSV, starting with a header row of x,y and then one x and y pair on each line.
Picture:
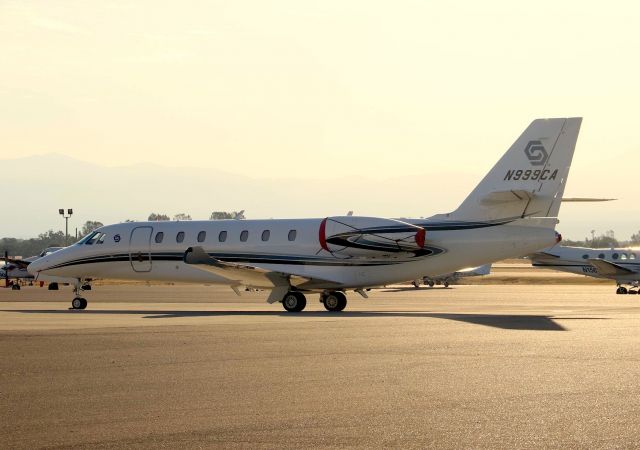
x,y
194,366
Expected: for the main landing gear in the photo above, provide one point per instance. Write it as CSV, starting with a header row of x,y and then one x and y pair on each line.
x,y
624,290
295,301
334,301
79,302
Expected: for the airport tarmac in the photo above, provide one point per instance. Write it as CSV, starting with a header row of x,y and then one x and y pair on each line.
x,y
481,366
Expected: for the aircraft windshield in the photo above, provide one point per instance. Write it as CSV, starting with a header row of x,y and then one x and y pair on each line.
x,y
88,237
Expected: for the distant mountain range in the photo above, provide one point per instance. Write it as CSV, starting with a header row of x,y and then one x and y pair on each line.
x,y
36,186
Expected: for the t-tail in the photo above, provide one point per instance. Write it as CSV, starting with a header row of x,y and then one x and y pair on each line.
x,y
529,180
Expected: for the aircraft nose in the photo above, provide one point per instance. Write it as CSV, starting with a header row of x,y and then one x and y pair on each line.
x,y
37,266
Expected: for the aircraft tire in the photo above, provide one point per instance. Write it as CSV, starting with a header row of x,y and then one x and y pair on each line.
x,y
15,287
76,303
431,283
294,301
53,286
415,284
621,290
631,292
446,284
334,301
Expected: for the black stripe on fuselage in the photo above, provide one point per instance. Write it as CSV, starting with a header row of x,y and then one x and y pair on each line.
x,y
237,258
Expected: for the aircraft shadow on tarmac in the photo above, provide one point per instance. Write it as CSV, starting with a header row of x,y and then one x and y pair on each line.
x,y
503,321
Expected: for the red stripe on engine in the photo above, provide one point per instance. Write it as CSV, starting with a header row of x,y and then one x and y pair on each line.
x,y
322,235
421,236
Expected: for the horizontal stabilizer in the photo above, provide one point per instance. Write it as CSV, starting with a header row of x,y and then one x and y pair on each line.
x,y
609,268
586,199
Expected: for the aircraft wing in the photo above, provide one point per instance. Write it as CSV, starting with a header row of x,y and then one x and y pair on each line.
x,y
543,257
609,268
252,276
20,263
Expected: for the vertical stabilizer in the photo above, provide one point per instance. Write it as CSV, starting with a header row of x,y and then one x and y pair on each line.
x,y
529,180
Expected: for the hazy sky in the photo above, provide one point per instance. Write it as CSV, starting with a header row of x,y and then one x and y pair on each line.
x,y
322,89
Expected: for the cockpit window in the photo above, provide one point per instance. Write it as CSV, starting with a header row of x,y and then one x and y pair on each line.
x,y
94,238
87,237
101,239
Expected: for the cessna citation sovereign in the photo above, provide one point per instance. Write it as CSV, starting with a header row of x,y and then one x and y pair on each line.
x,y
511,213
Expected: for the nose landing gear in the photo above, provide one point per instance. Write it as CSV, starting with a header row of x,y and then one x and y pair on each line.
x,y
79,302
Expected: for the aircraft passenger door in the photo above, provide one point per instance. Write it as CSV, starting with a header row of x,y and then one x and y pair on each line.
x,y
140,249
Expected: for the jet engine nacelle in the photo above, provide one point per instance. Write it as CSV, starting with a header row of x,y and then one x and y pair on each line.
x,y
351,236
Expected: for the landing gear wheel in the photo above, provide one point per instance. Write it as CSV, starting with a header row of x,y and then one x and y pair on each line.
x,y
632,292
15,287
79,303
294,301
53,286
334,301
621,290
415,284
431,283
446,284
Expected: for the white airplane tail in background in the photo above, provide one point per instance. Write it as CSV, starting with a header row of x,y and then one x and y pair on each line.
x,y
529,180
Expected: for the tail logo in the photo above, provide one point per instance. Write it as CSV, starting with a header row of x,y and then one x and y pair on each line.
x,y
536,153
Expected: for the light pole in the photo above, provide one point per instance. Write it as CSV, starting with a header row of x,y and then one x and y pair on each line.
x,y
66,224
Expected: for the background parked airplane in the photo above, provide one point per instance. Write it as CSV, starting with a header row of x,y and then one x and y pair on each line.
x,y
16,269
511,213
453,277
619,264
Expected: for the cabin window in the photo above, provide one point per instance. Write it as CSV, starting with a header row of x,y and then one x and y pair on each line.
x,y
202,236
623,256
601,256
632,256
101,239
585,256
222,236
615,256
292,235
180,237
159,237
265,235
244,236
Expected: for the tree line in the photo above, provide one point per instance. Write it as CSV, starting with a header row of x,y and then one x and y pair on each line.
x,y
51,238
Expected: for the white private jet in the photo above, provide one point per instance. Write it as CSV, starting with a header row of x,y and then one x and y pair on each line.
x,y
511,213
453,277
619,264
